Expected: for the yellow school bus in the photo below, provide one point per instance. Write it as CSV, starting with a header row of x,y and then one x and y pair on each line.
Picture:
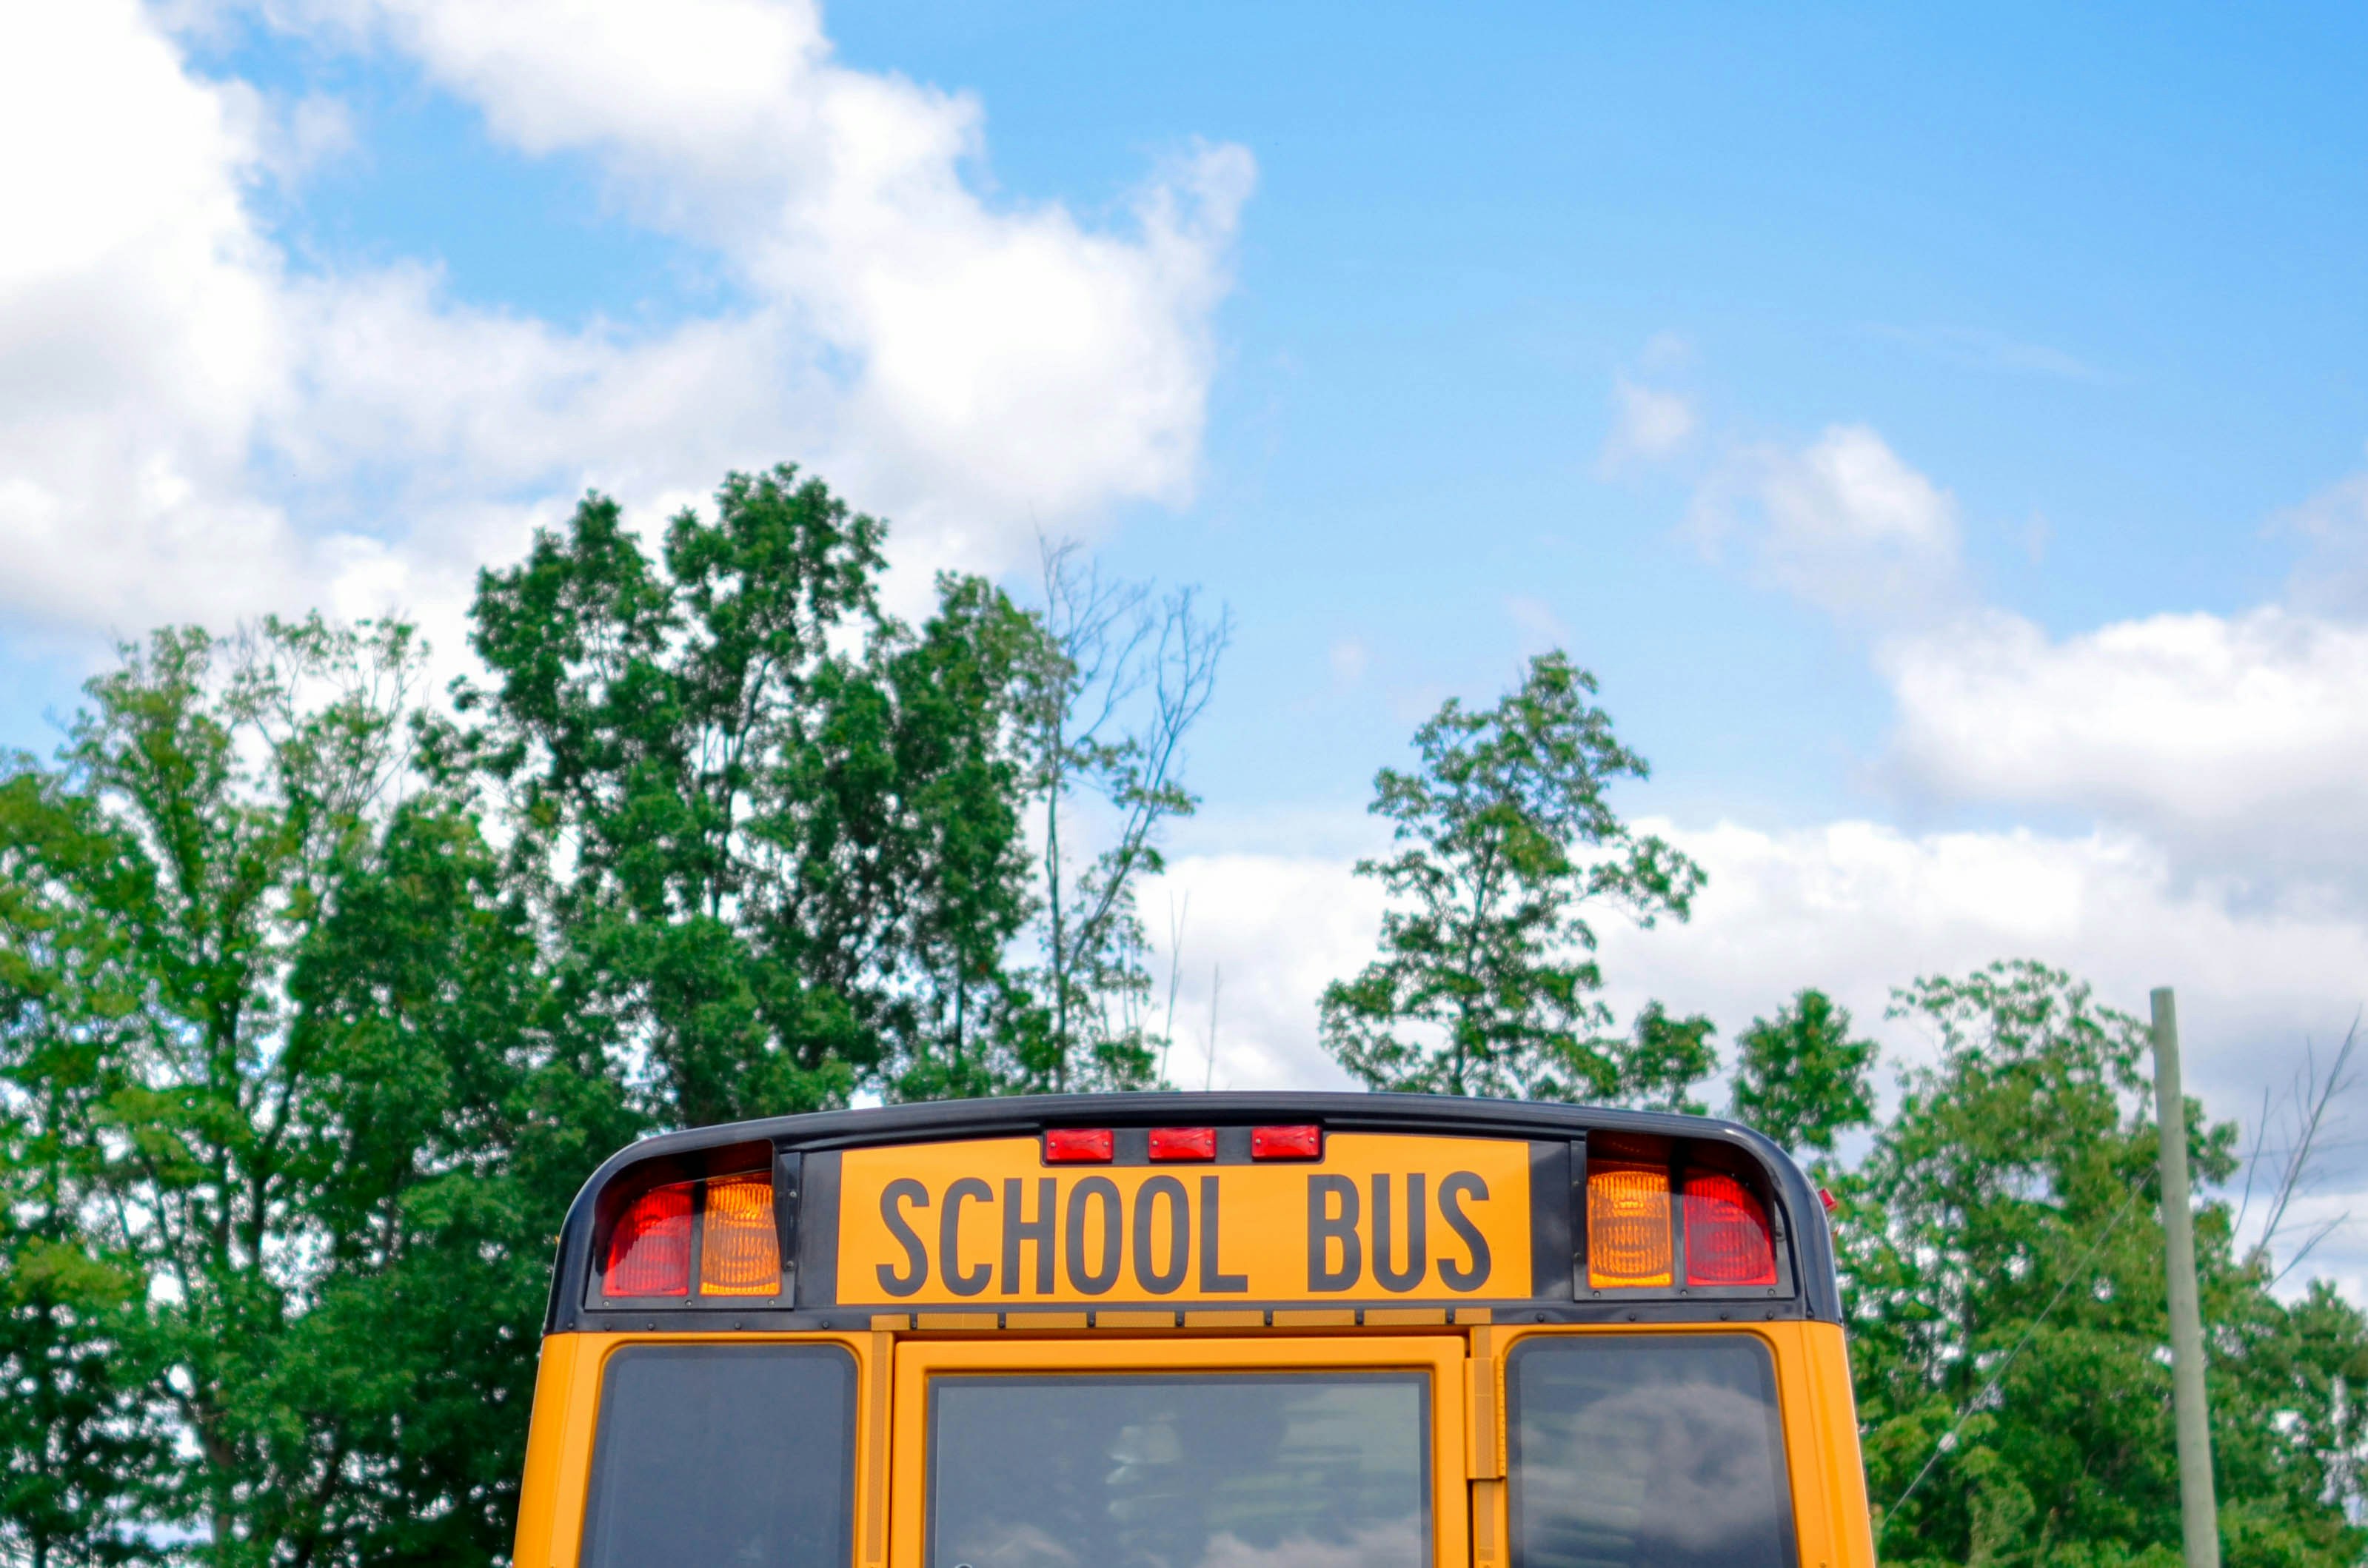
x,y
1197,1330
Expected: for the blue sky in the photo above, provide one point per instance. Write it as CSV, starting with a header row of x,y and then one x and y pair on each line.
x,y
1943,432
2095,273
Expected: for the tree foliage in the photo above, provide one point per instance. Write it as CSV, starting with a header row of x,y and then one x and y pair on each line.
x,y
694,775
291,1119
780,837
2002,1256
318,1000
1486,982
1800,1077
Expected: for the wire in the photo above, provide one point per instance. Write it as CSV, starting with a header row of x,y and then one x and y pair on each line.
x,y
1965,1414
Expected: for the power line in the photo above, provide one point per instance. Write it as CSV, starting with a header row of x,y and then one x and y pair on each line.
x,y
1965,1414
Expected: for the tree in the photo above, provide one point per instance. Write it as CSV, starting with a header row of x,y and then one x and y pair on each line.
x,y
80,1441
299,1110
1486,982
776,833
2002,1261
1661,1061
653,730
80,1445
300,1069
957,698
1119,682
1802,1079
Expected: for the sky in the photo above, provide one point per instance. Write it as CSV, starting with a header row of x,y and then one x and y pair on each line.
x,y
1945,435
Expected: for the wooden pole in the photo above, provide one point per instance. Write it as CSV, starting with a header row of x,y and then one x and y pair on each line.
x,y
2199,1515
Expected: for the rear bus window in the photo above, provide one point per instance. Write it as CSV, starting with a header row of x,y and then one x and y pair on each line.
x,y
1647,1452
1224,1470
735,1455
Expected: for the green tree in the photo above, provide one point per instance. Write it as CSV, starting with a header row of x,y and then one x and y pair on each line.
x,y
1662,1059
1801,1078
1487,983
953,706
2003,1272
783,838
80,1445
278,1045
298,1071
659,735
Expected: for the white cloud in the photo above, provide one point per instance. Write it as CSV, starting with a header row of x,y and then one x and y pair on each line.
x,y
1540,628
2333,573
1856,907
1649,424
1264,934
1006,361
1843,523
1851,907
190,429
2236,744
1665,351
1349,659
2219,758
1974,348
2233,741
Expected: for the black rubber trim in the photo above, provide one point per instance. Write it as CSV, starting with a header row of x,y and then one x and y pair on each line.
x,y
1550,1219
818,1235
789,1170
1805,1242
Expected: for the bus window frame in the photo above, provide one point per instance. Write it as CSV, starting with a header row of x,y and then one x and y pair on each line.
x,y
556,1489
1440,1356
1816,1409
712,1345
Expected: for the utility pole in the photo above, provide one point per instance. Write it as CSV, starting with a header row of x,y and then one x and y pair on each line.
x,y
2199,1515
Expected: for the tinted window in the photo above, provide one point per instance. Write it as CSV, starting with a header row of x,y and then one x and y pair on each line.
x,y
728,1456
1327,1471
1636,1451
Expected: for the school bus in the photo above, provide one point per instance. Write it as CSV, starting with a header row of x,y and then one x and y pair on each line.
x,y
1197,1330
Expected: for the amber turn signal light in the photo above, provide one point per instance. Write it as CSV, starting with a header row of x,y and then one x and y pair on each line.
x,y
1629,1239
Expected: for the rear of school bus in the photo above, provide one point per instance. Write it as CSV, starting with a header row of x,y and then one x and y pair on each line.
x,y
1197,1330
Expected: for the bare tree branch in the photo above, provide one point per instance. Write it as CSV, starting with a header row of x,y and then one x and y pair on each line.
x,y
2312,1097
1125,679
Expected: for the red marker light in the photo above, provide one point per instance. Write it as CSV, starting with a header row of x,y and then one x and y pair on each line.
x,y
1077,1146
649,1252
1728,1239
1183,1142
1286,1142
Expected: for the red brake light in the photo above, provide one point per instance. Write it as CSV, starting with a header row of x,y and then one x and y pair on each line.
x,y
1286,1142
1077,1146
1727,1238
1183,1142
649,1252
